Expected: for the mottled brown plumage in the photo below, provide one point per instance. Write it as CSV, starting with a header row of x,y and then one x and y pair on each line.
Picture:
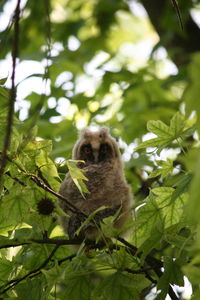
x,y
106,183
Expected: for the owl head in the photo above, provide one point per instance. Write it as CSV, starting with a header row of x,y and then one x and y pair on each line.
x,y
95,147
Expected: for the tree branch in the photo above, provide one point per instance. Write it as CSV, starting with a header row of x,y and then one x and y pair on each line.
x,y
58,242
12,95
16,179
142,271
154,264
12,283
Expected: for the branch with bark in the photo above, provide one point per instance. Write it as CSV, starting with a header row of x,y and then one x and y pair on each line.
x,y
152,262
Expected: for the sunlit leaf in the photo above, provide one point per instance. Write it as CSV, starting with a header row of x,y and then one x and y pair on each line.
x,y
177,124
166,168
171,210
77,176
160,129
156,142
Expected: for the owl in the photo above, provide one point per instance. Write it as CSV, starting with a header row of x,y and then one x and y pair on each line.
x,y
106,184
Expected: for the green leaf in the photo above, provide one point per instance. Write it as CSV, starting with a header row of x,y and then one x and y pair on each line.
x,y
46,165
192,270
156,142
33,146
194,192
77,176
6,268
54,275
177,124
172,275
166,168
75,172
119,286
32,255
147,216
163,193
77,287
32,289
179,241
182,186
159,211
160,129
107,227
171,210
166,134
4,93
15,206
8,182
3,80
48,169
89,218
155,237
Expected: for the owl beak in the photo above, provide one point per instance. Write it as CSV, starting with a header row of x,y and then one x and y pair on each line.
x,y
96,155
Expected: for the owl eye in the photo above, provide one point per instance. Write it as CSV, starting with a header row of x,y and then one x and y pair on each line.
x,y
87,149
104,148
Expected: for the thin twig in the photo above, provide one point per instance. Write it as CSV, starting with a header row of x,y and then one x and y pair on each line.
x,y
70,257
42,177
178,13
16,179
15,244
142,271
12,95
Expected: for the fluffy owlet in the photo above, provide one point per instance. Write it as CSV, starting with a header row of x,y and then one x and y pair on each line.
x,y
106,183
